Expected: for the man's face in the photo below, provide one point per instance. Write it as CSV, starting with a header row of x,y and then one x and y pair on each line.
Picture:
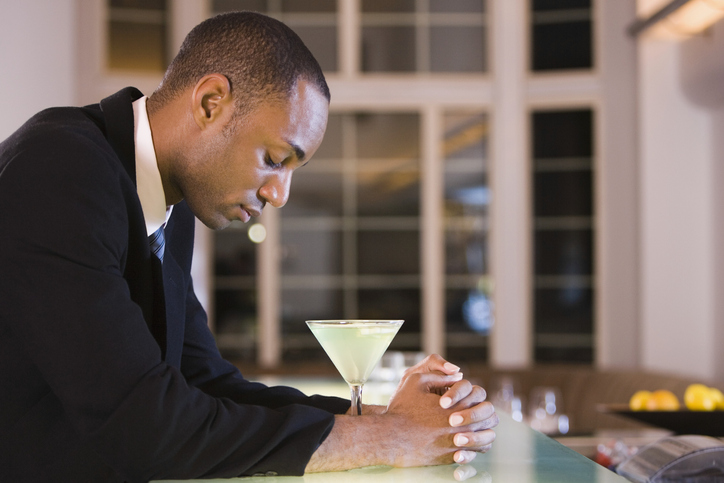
x,y
232,177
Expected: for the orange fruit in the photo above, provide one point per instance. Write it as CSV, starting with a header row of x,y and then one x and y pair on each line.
x,y
699,397
639,400
663,400
718,397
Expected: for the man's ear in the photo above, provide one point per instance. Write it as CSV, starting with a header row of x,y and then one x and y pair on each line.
x,y
211,100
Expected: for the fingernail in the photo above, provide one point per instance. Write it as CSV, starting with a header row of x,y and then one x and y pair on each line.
x,y
457,376
459,457
451,367
461,440
445,402
456,420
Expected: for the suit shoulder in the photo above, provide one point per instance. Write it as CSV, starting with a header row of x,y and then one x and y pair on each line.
x,y
57,140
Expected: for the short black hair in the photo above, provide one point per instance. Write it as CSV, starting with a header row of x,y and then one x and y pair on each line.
x,y
260,56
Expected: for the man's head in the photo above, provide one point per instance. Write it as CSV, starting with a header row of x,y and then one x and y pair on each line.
x,y
261,57
241,107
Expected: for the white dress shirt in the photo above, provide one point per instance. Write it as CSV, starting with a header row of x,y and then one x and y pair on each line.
x,y
148,177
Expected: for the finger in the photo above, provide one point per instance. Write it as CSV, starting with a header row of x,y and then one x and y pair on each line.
x,y
479,412
489,423
473,441
431,382
457,392
464,456
435,362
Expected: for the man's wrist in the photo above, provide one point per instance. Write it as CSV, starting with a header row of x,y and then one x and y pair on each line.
x,y
373,409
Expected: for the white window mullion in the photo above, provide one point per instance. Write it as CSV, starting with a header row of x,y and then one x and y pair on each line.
x,y
511,238
183,15
349,37
269,346
432,235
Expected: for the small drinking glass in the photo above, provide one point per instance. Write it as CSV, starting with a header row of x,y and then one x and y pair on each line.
x,y
355,347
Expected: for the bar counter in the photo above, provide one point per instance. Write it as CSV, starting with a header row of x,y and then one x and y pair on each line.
x,y
519,454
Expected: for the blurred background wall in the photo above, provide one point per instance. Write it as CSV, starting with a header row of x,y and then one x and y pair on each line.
x,y
38,57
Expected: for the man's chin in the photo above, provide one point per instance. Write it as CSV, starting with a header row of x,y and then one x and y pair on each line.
x,y
215,223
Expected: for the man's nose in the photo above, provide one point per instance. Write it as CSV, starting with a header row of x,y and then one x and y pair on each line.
x,y
275,190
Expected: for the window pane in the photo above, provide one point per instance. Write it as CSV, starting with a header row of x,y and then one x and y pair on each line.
x,y
137,46
234,252
394,304
564,193
466,194
310,19
457,5
558,134
578,355
388,6
468,309
137,35
314,193
218,6
562,46
388,49
388,179
458,49
313,252
388,136
466,251
142,4
388,252
568,309
391,192
561,35
567,252
309,6
424,36
321,42
235,313
331,147
299,305
563,240
468,319
560,4
466,137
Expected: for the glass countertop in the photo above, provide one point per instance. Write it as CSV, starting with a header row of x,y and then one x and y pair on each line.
x,y
519,454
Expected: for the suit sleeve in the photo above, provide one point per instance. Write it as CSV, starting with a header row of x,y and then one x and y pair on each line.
x,y
204,367
63,240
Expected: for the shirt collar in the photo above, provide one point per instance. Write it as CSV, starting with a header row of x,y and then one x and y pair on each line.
x,y
148,177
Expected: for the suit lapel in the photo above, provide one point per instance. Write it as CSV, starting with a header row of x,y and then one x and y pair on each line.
x,y
144,272
118,112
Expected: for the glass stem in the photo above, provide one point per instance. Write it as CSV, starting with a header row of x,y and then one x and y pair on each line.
x,y
356,390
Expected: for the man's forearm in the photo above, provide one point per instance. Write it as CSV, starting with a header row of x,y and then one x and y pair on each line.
x,y
355,441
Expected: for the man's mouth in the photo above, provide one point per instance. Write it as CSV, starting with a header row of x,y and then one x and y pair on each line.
x,y
247,214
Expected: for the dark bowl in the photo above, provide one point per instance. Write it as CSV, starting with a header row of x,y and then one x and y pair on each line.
x,y
708,423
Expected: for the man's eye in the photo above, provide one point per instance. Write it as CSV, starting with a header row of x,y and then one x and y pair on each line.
x,y
271,162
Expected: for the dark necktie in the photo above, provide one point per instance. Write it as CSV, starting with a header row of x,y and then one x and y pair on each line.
x,y
157,240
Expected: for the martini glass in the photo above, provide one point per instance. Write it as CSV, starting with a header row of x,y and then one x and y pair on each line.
x,y
355,347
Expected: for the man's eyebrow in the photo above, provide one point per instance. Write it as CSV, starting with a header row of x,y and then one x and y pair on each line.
x,y
298,151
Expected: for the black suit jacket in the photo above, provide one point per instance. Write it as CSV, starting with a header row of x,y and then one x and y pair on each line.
x,y
108,371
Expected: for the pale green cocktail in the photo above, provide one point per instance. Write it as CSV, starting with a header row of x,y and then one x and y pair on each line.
x,y
355,347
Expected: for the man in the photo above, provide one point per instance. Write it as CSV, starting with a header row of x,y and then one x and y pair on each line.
x,y
109,370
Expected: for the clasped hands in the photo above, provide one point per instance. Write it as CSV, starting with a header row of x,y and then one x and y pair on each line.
x,y
434,391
